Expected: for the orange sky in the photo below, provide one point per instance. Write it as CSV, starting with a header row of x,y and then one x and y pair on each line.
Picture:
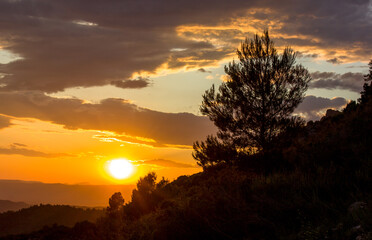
x,y
78,156
78,89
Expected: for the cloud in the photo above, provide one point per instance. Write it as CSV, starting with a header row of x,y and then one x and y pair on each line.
x,y
64,44
21,149
331,80
4,122
356,66
306,54
313,108
19,145
137,83
334,60
115,115
203,70
60,52
114,137
166,163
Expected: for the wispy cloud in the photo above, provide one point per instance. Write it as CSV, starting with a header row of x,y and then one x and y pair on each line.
x,y
203,70
4,122
166,163
21,149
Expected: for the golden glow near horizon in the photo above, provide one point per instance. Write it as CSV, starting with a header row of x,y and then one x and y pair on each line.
x,y
28,152
120,168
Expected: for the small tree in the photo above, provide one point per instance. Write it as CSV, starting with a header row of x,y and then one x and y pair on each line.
x,y
142,197
116,203
111,225
255,104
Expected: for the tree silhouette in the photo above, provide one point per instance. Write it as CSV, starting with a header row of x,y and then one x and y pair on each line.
x,y
116,203
255,103
111,226
142,200
367,89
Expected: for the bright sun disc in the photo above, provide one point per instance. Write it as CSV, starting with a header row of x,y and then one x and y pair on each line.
x,y
120,168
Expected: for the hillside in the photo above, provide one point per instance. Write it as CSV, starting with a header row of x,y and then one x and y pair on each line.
x,y
6,205
316,185
36,217
313,183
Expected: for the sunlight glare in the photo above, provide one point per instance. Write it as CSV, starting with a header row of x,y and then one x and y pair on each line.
x,y
120,168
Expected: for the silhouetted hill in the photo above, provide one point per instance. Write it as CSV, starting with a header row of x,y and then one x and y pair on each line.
x,y
36,217
314,183
6,205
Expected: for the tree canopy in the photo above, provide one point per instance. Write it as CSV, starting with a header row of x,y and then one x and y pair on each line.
x,y
256,101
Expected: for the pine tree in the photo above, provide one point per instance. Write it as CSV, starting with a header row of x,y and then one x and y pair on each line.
x,y
255,103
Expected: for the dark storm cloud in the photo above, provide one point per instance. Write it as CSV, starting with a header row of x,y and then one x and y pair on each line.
x,y
313,108
93,43
331,80
21,149
115,115
4,122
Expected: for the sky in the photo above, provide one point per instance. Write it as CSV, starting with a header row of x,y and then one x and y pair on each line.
x,y
85,82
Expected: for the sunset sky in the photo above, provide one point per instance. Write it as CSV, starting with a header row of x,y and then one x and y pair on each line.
x,y
85,82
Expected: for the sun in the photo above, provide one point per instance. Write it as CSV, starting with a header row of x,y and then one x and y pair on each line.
x,y
120,168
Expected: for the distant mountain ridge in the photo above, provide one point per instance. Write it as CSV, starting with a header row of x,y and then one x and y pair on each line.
x,y
36,217
6,205
32,193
